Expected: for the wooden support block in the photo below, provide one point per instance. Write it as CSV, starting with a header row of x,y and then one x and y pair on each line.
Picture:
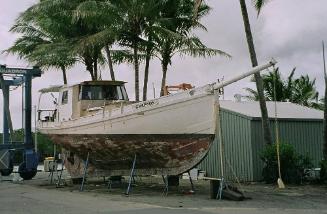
x,y
214,187
173,180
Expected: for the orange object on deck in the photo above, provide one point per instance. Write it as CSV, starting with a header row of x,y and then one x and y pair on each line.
x,y
183,87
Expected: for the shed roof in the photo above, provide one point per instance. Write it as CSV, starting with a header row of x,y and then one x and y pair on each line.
x,y
285,110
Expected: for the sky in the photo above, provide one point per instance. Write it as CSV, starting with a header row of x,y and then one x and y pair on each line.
x,y
291,31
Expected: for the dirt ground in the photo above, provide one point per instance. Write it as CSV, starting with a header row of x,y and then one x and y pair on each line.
x,y
147,192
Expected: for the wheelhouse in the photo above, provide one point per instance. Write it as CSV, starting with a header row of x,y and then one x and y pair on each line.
x,y
82,99
102,90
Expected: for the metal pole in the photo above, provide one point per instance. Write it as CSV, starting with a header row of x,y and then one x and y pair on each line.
x,y
131,176
220,138
86,164
5,107
191,181
23,106
54,151
35,130
5,137
28,110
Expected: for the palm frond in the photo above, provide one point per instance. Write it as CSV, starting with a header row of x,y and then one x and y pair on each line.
x,y
121,56
203,52
258,4
253,94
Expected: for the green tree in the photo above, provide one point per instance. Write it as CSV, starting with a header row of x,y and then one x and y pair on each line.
x,y
129,26
176,35
300,90
57,17
40,44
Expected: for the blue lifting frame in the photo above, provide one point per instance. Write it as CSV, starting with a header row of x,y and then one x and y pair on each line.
x,y
16,77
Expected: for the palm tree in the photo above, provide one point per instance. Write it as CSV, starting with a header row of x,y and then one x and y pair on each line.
x,y
104,15
110,63
128,25
254,61
305,92
274,87
301,90
58,18
37,43
137,19
175,37
148,54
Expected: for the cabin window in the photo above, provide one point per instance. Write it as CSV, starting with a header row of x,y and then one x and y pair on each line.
x,y
64,98
103,92
124,92
119,93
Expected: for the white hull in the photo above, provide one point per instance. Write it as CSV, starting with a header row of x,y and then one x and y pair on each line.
x,y
177,114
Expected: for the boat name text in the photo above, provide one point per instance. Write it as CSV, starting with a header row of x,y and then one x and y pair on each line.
x,y
146,104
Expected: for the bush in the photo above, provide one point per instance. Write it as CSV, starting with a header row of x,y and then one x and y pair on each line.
x,y
323,171
292,164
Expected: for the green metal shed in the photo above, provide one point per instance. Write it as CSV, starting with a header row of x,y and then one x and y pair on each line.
x,y
243,140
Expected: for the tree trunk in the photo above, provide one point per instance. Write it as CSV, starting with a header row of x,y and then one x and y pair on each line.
x,y
258,79
89,66
164,76
64,75
136,69
95,68
146,72
325,105
110,64
325,123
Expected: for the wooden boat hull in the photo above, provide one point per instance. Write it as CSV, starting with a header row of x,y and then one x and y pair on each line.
x,y
114,154
169,135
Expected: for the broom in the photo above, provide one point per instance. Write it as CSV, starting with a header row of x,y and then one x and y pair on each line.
x,y
279,180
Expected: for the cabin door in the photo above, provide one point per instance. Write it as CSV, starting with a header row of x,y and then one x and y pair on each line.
x,y
65,106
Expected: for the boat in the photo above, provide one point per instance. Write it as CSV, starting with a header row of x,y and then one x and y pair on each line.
x,y
95,121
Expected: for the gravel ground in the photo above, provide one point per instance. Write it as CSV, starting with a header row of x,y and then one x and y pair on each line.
x,y
39,196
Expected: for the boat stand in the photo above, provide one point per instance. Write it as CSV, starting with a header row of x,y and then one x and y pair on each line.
x,y
114,180
220,190
109,183
54,168
166,189
55,174
131,177
61,183
86,164
191,181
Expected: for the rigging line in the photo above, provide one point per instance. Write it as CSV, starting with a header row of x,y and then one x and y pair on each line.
x,y
234,174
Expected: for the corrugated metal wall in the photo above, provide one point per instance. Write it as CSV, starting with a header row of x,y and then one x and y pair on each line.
x,y
243,144
237,146
306,136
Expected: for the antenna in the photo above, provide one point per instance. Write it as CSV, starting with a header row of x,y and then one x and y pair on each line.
x,y
154,91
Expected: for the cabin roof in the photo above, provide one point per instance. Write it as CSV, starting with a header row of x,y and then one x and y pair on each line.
x,y
103,82
52,88
285,110
56,88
